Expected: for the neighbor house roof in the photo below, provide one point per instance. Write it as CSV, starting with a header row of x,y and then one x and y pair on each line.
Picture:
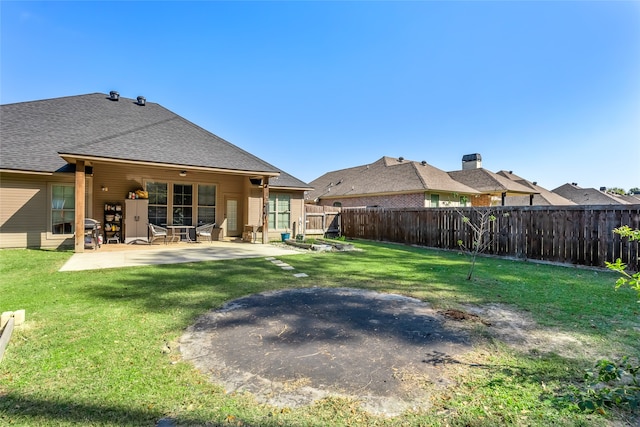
x,y
488,182
633,199
41,136
543,198
590,196
385,176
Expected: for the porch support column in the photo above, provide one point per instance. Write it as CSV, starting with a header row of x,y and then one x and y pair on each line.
x,y
504,196
79,206
265,210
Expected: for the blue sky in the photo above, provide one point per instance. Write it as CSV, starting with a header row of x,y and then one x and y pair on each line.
x,y
549,90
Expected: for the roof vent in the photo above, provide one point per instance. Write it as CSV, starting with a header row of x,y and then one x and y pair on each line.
x,y
142,100
535,182
114,96
603,188
423,163
401,159
574,183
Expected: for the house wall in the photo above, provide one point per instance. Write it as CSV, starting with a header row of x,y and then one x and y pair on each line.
x,y
483,200
25,210
120,179
25,201
255,209
297,214
413,200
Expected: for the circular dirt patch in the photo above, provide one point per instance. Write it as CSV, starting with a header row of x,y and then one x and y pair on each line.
x,y
292,347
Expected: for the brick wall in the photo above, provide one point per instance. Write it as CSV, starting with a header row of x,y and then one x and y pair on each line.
x,y
414,200
482,200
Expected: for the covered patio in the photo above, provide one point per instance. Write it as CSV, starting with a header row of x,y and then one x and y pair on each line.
x,y
126,164
123,255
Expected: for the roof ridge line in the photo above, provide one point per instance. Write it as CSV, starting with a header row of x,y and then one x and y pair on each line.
x,y
415,169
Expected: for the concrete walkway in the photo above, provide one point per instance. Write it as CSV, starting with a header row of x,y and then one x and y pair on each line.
x,y
118,256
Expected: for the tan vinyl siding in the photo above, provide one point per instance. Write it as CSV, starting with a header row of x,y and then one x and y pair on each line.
x,y
255,209
121,179
25,202
25,211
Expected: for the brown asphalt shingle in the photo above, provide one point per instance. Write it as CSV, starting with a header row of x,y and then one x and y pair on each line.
x,y
385,176
544,198
590,196
488,182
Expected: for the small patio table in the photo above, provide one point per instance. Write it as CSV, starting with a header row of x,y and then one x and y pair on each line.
x,y
181,230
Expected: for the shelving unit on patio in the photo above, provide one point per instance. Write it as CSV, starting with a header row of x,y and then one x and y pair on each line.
x,y
112,222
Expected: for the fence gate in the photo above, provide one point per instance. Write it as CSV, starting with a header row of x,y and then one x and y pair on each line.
x,y
322,220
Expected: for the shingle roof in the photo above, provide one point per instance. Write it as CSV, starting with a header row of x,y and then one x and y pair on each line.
x,y
589,196
36,134
385,176
488,182
633,199
544,198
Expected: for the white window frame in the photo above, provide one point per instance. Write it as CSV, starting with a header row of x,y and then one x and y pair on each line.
x,y
50,233
194,197
276,213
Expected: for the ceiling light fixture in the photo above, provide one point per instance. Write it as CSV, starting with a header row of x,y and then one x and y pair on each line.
x,y
183,173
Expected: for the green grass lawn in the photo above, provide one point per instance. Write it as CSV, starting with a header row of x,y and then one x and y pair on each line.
x,y
93,349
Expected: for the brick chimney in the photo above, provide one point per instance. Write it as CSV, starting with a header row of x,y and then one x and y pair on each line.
x,y
471,161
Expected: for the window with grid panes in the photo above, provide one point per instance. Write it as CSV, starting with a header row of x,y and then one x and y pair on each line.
x,y
206,204
279,211
183,204
157,202
63,212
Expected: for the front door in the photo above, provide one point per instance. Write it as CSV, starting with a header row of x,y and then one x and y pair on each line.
x,y
231,217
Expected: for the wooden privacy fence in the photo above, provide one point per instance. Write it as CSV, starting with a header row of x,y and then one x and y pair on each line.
x,y
322,219
580,235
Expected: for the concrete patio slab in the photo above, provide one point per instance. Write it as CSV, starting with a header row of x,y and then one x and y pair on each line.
x,y
132,255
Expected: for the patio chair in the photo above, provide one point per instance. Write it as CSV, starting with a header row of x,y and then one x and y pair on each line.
x,y
157,232
205,231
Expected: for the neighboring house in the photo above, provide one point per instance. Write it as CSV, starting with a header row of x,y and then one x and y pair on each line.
x,y
543,198
389,182
495,189
62,160
398,183
633,199
592,196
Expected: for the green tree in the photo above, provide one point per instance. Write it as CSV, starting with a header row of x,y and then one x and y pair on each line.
x,y
612,383
632,280
616,190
